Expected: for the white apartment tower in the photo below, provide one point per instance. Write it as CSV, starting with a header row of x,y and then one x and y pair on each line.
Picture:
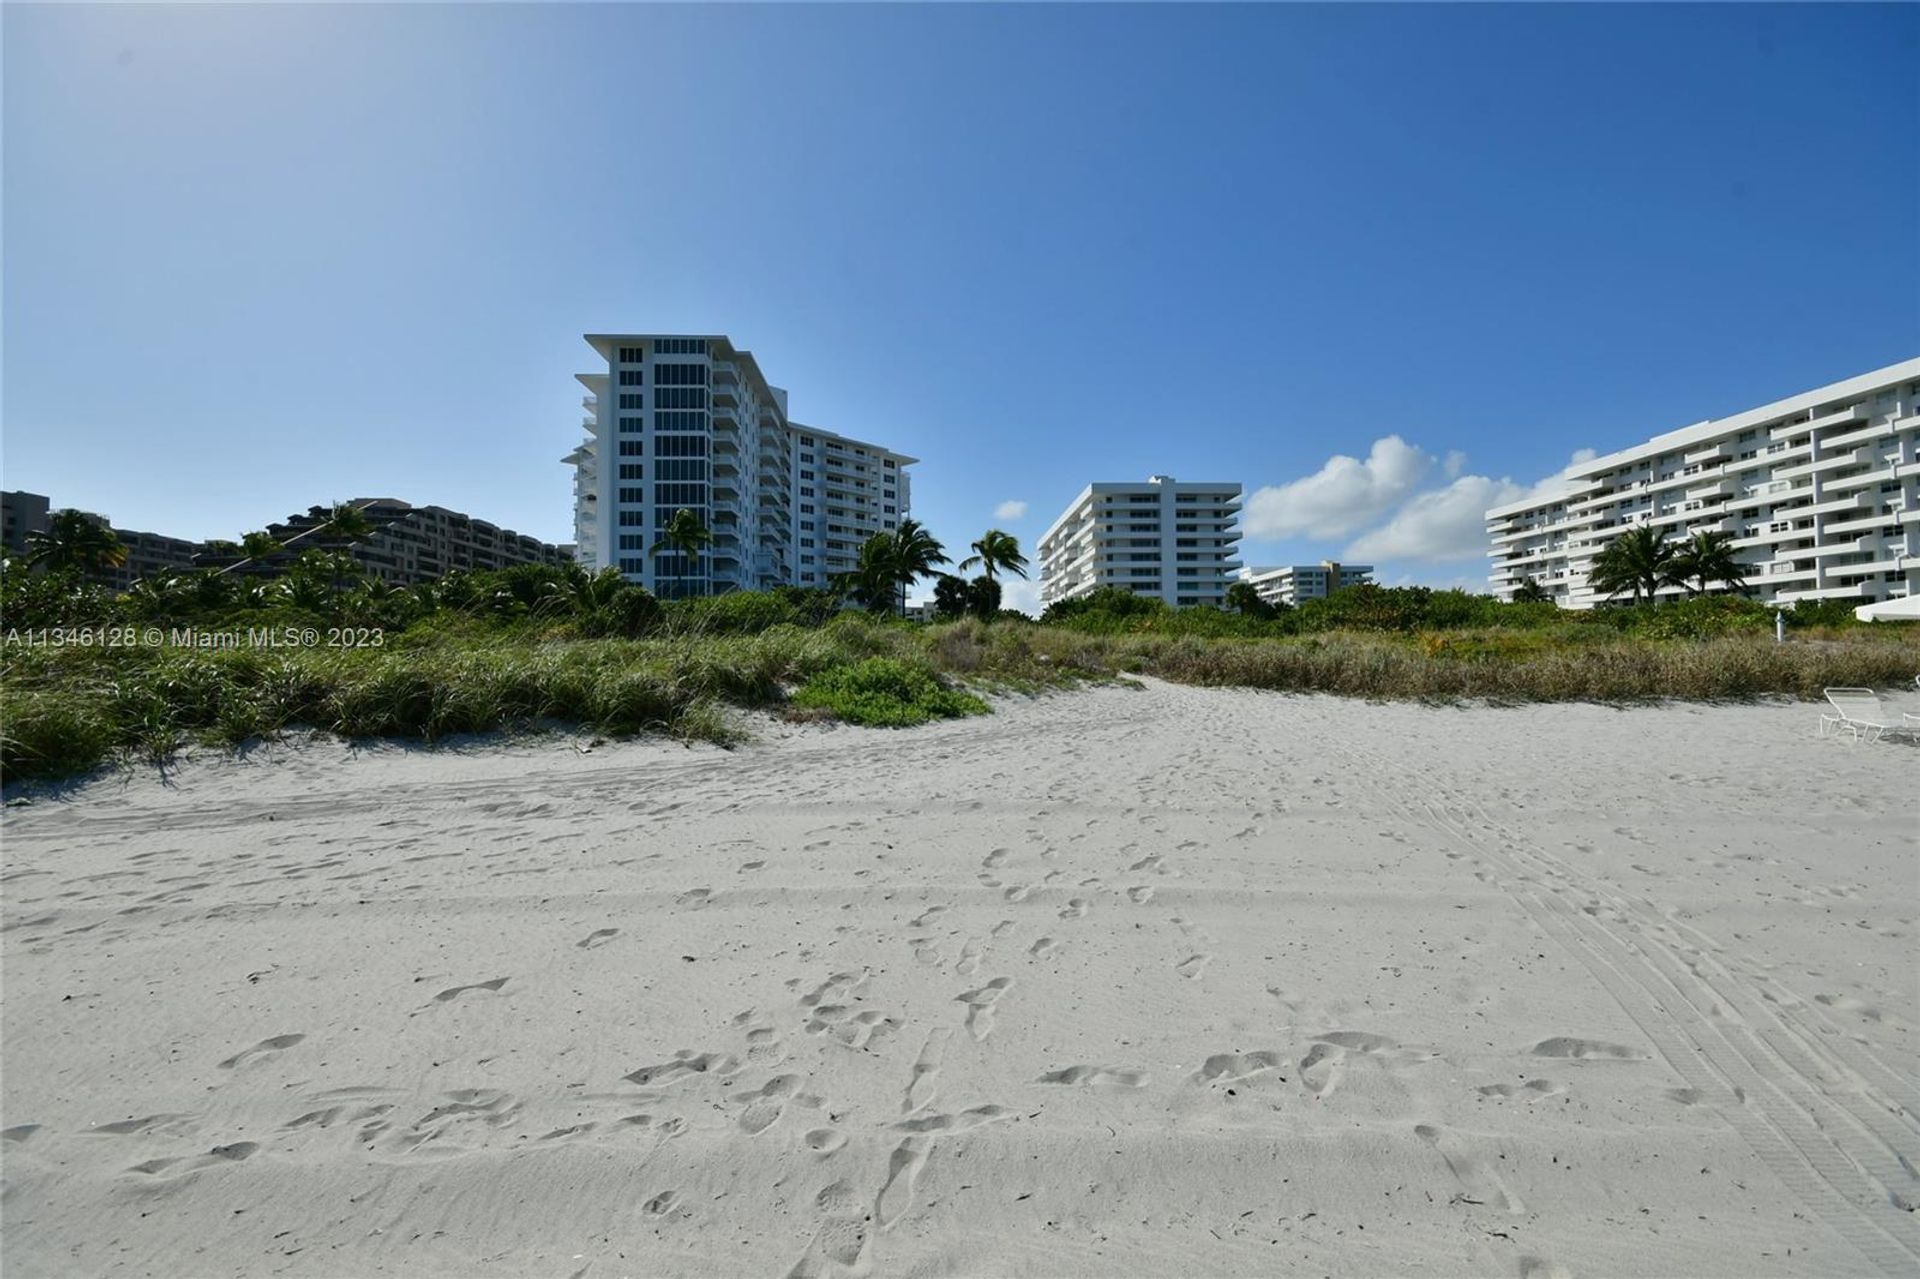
x,y
678,422
1820,491
1163,538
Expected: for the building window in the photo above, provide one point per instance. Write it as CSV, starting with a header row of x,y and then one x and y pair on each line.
x,y
633,519
680,346
806,508
633,448
680,397
633,541
679,421
679,375
678,495
631,377
635,495
632,471
633,402
632,565
632,425
680,446
632,354
681,469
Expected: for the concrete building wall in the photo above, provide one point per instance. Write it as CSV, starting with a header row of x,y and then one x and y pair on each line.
x,y
1820,492
1161,537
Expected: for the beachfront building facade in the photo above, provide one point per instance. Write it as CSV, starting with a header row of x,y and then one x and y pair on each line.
x,y
1161,537
844,492
1820,493
678,422
1290,584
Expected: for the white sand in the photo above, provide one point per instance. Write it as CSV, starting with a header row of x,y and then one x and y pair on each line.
x,y
1173,982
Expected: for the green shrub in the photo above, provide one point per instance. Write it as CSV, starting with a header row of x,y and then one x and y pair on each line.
x,y
882,692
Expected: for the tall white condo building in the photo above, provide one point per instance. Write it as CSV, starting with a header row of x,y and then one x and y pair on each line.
x,y
1820,493
677,422
1161,537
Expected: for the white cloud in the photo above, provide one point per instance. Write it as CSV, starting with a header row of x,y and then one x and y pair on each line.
x,y
1344,495
1010,511
1455,463
1020,595
1450,523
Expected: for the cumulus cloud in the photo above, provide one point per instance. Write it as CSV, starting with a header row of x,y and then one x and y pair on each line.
x,y
1343,496
1010,511
1023,596
1449,523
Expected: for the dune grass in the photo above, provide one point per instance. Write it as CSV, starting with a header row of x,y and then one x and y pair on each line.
x,y
65,711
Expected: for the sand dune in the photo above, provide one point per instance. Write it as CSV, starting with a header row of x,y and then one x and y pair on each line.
x,y
1161,982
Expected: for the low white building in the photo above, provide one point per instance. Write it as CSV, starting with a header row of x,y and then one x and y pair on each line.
x,y
1159,537
1289,584
1820,492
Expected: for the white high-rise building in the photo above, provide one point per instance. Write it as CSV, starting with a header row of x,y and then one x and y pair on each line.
x,y
680,422
1820,492
844,491
1162,537
1289,584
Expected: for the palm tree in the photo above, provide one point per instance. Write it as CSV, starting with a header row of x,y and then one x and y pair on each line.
x,y
995,551
686,534
1640,560
915,554
1531,592
1242,597
1709,558
74,541
257,546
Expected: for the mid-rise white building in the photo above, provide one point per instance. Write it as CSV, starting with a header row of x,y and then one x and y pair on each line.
x,y
1820,492
1162,537
680,422
844,491
1289,584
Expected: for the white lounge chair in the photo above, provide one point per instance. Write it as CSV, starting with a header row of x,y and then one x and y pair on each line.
x,y
1858,711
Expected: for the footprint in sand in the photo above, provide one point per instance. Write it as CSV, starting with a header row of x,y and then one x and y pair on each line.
x,y
1193,967
1045,948
839,1245
685,1065
946,1125
1018,893
903,1169
765,1107
1321,1069
694,897
1479,1184
1228,1068
663,1203
1075,909
1584,1050
214,1158
265,1048
825,1141
598,937
1532,1090
969,961
454,992
925,1083
1095,1077
1140,894
927,917
980,1006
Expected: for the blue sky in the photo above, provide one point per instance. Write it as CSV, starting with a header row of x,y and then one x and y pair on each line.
x,y
261,257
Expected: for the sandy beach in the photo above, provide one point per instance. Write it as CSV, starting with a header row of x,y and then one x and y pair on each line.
x,y
1162,981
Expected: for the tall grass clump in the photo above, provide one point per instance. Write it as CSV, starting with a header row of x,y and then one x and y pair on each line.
x,y
884,692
